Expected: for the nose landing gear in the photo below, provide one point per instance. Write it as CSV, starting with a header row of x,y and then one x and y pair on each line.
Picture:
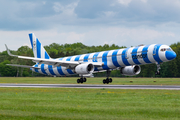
x,y
157,73
158,68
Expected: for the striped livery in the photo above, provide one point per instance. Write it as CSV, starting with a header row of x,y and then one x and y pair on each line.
x,y
155,53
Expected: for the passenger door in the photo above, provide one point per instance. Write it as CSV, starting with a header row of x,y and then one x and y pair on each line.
x,y
154,50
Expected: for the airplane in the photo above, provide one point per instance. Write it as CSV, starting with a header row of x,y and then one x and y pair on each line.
x,y
127,60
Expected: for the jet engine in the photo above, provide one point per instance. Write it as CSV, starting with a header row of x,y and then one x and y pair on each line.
x,y
85,68
130,70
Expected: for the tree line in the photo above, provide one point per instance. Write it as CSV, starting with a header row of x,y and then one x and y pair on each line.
x,y
168,69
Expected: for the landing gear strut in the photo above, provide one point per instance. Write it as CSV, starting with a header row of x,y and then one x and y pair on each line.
x,y
158,68
81,80
107,80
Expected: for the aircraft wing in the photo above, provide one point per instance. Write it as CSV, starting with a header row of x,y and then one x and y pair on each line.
x,y
55,62
23,66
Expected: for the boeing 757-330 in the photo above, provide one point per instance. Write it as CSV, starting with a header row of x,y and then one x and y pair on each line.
x,y
127,60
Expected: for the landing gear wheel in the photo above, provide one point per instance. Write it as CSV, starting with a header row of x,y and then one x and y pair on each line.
x,y
104,81
110,80
107,80
78,81
81,80
157,73
84,79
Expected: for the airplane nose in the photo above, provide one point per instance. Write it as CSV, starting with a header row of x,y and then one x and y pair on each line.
x,y
170,55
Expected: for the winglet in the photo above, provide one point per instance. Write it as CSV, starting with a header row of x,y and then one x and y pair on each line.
x,y
9,52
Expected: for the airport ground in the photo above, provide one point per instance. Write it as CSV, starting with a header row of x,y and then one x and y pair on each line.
x,y
90,104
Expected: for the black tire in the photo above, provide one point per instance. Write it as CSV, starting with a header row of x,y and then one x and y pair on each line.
x,y
81,80
84,80
110,80
104,81
78,81
107,81
157,73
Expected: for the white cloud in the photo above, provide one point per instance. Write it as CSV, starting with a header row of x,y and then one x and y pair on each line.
x,y
124,2
127,36
69,37
145,1
58,7
44,2
66,9
90,36
16,39
109,14
92,22
171,34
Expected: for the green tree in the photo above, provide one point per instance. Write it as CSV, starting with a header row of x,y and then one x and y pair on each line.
x,y
6,70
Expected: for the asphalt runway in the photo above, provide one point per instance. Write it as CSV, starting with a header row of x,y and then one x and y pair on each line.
x,y
167,87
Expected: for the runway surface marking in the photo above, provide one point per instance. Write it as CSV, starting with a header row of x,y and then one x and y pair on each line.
x,y
168,87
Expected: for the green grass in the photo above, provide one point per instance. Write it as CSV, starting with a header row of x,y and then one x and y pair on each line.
x,y
72,80
90,104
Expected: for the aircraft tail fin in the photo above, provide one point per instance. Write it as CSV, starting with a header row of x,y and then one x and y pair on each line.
x,y
37,47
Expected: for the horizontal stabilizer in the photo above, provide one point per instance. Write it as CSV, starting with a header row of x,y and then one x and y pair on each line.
x,y
23,66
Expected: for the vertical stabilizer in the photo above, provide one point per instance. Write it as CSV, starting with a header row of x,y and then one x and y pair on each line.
x,y
37,47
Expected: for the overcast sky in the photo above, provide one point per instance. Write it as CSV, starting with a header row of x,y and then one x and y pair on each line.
x,y
92,22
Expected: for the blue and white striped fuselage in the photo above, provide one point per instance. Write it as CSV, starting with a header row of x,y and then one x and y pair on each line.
x,y
155,53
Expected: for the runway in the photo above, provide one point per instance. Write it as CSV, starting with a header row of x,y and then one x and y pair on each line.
x,y
167,87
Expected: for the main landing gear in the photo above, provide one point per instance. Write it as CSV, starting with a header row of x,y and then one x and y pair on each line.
x,y
107,80
158,68
81,80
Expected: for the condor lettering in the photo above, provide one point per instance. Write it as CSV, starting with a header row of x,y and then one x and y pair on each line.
x,y
139,56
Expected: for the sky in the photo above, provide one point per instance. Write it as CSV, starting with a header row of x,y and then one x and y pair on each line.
x,y
91,22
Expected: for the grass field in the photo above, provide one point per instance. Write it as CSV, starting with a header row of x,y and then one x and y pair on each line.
x,y
72,80
90,104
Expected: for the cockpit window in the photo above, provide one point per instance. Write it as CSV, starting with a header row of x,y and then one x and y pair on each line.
x,y
169,49
163,49
166,49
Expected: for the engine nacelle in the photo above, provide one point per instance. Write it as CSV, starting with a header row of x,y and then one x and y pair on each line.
x,y
85,68
130,70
